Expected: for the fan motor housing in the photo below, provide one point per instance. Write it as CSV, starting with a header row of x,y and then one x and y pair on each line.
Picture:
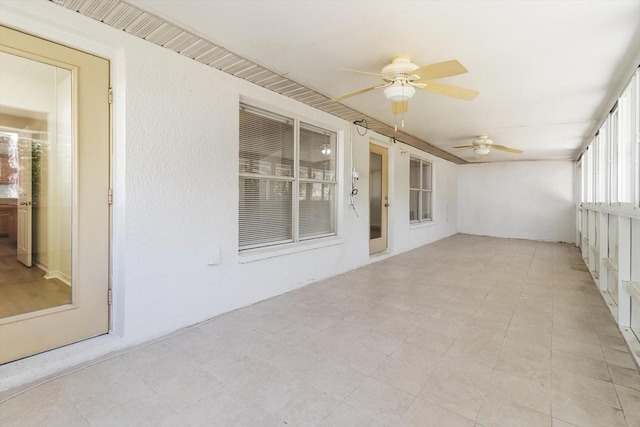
x,y
400,68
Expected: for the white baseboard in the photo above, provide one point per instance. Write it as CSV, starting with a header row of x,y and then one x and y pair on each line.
x,y
58,275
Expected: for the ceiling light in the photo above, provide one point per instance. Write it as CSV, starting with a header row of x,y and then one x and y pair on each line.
x,y
326,149
482,151
399,92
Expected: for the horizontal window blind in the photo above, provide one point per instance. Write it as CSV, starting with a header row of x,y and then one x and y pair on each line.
x,y
266,144
265,207
270,178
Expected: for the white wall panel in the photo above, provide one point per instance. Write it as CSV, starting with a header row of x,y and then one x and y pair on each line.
x,y
526,200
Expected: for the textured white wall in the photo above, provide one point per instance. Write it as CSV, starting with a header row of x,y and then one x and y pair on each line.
x,y
445,185
176,190
527,200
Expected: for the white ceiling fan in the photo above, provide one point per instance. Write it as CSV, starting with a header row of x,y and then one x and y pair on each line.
x,y
402,77
482,146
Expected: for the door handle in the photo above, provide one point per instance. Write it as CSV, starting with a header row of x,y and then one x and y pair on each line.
x,y
386,205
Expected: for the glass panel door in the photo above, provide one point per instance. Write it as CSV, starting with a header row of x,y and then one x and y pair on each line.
x,y
54,180
378,199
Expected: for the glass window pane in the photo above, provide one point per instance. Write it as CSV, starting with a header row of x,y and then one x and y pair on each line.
x,y
426,176
613,156
265,211
37,158
266,144
626,139
426,206
414,201
316,204
317,153
414,173
375,195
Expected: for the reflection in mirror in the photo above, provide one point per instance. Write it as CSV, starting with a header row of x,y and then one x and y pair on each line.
x,y
36,184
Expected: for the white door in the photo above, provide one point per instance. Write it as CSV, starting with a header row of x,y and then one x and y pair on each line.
x,y
25,203
64,95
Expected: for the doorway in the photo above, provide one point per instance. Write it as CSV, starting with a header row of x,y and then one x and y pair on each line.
x,y
54,183
378,198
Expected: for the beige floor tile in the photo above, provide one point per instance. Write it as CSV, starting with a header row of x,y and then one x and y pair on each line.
x,y
198,345
381,401
294,334
581,365
585,412
455,392
583,387
45,405
345,415
626,377
169,365
304,405
419,355
614,342
312,319
218,409
103,386
530,393
426,414
619,358
507,413
467,331
173,420
405,377
140,410
182,390
333,378
558,423
630,401
577,348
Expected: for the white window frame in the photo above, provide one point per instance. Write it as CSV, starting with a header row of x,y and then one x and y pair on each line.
x,y
296,181
420,190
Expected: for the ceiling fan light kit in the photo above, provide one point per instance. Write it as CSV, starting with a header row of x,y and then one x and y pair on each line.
x,y
402,77
482,146
482,151
399,92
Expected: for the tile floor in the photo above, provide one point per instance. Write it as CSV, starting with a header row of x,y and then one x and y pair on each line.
x,y
469,331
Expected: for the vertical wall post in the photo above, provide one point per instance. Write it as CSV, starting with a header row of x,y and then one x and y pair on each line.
x,y
603,237
624,270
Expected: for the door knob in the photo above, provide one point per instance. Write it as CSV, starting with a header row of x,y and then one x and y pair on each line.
x,y
386,205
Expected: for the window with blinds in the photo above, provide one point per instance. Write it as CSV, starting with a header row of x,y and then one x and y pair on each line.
x,y
280,157
420,190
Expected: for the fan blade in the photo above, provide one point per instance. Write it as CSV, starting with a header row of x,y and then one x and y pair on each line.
x,y
464,147
362,72
400,107
449,90
357,92
440,70
507,149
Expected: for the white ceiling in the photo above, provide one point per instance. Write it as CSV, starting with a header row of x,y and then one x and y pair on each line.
x,y
547,71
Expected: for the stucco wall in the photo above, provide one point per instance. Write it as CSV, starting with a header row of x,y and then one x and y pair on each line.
x,y
176,191
526,200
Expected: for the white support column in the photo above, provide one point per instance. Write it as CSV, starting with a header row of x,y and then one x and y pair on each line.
x,y
593,217
584,231
603,240
624,271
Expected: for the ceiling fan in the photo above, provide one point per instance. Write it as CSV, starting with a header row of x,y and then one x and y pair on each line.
x,y
482,146
402,77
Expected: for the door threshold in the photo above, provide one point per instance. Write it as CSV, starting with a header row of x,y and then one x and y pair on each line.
x,y
379,256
